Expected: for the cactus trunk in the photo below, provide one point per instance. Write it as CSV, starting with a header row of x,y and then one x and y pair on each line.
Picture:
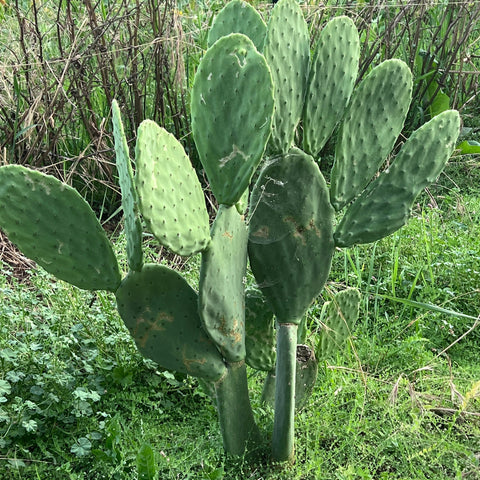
x,y
238,427
283,447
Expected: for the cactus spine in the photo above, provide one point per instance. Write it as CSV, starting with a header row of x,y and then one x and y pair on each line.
x,y
291,236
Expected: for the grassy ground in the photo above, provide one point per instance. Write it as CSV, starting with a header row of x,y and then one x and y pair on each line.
x,y
401,402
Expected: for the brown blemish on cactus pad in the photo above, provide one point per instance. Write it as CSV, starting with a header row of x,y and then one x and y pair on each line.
x,y
262,232
148,327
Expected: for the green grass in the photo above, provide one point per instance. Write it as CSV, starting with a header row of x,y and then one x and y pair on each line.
x,y
402,401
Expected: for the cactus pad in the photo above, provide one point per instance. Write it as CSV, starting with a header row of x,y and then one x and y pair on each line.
x,y
332,78
260,336
159,309
171,197
54,226
221,298
287,50
385,205
341,313
290,237
232,105
238,17
372,123
133,226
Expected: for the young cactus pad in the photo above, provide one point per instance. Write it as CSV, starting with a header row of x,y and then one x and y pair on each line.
x,y
160,310
332,77
385,205
341,313
54,226
221,295
171,197
290,234
133,225
238,17
287,50
372,123
232,106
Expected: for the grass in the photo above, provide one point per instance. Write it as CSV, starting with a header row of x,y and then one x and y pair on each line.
x,y
402,401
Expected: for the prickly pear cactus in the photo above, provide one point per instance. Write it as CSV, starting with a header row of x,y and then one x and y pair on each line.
x,y
54,226
243,100
133,225
291,234
287,51
221,297
238,17
371,125
332,77
160,310
174,209
231,135
341,313
385,204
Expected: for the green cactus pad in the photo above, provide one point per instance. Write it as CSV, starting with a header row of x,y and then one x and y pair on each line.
x,y
238,17
290,237
221,298
372,123
159,309
133,226
54,226
386,203
260,338
287,50
332,78
171,197
232,106
341,313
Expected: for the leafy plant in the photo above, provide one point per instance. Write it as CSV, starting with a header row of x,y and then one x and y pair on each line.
x,y
244,103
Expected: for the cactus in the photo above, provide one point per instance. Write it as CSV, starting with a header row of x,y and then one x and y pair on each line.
x,y
54,226
231,135
133,225
287,51
242,101
341,313
238,17
174,210
332,77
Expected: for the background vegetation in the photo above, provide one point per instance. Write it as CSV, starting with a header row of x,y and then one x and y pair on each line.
x,y
76,399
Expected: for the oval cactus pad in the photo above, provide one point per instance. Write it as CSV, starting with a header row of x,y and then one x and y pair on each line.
x,y
232,105
385,204
221,297
332,78
133,225
54,226
238,17
291,234
372,123
159,309
171,197
287,50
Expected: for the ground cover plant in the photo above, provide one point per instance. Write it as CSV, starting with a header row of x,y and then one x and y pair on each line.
x,y
144,461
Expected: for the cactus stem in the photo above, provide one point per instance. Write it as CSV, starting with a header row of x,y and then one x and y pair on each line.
x,y
283,448
237,424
